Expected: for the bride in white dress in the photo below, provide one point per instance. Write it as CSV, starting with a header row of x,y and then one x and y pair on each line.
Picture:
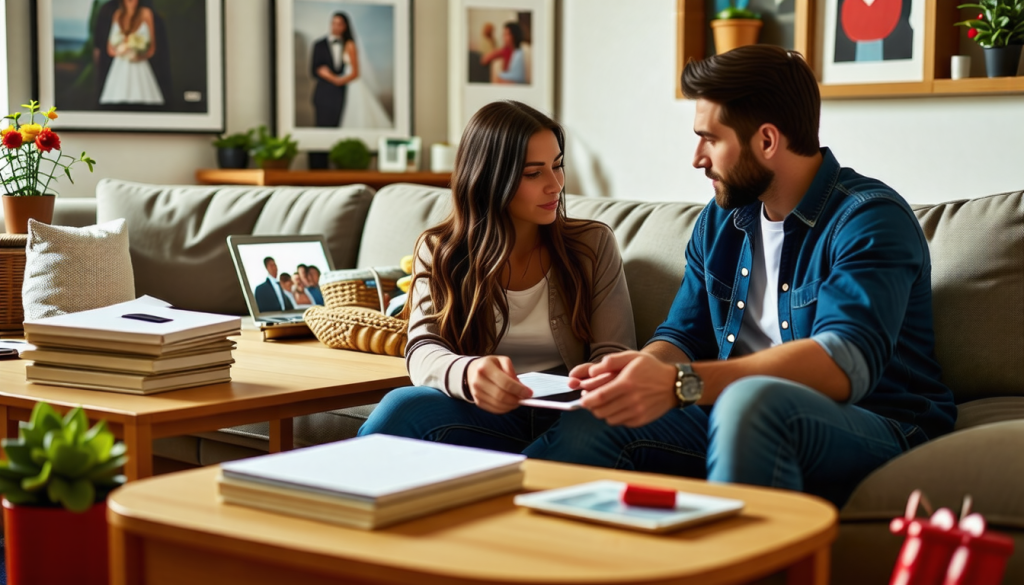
x,y
362,107
130,79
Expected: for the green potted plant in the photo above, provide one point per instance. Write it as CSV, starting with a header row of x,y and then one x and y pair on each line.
x,y
32,160
735,26
272,152
350,153
55,480
999,29
233,150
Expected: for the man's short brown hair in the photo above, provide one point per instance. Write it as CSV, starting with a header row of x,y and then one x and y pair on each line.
x,y
760,84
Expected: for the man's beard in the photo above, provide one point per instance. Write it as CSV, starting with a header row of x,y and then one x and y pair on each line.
x,y
748,181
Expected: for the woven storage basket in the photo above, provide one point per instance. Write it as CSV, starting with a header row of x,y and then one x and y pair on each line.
x,y
355,293
12,274
358,328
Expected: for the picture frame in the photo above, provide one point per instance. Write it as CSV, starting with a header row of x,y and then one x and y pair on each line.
x,y
499,49
882,41
398,155
375,104
144,87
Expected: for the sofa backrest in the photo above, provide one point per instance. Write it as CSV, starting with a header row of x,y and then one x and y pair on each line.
x,y
178,234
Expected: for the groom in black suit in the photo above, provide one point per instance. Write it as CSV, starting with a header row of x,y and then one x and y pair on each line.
x,y
328,69
269,296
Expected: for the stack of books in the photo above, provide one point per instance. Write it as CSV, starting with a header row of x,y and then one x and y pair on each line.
x,y
139,347
369,482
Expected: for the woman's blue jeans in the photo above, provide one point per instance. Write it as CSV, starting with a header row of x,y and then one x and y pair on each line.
x,y
761,431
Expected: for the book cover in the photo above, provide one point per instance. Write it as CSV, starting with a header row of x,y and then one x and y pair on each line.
x,y
92,360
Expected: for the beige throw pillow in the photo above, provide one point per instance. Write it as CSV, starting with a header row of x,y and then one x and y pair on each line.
x,y
69,269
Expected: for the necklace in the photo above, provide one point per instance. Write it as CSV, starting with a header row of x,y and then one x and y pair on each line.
x,y
529,259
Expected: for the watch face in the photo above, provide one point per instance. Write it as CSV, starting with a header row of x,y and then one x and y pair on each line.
x,y
692,388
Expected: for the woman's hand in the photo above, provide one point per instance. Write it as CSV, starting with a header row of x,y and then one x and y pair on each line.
x,y
494,386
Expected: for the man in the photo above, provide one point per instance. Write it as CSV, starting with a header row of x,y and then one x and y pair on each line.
x,y
313,288
328,68
269,294
799,350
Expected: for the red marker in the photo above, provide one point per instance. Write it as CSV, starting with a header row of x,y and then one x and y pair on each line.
x,y
650,497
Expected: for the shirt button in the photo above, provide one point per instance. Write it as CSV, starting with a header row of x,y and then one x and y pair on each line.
x,y
744,272
785,324
731,338
740,305
785,287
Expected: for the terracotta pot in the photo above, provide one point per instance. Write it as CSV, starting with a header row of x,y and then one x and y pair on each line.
x,y
52,545
19,209
281,164
735,32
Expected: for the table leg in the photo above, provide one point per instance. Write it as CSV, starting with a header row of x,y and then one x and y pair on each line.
x,y
139,439
281,435
811,570
125,557
8,427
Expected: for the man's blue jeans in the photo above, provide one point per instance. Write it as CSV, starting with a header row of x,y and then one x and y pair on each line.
x,y
762,431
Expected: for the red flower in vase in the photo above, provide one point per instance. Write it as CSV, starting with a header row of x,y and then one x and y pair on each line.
x,y
47,140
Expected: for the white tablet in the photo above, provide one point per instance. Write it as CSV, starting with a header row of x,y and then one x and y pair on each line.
x,y
601,501
550,391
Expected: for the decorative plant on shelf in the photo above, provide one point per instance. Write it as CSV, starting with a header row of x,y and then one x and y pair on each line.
x,y
735,26
273,152
350,153
233,150
999,29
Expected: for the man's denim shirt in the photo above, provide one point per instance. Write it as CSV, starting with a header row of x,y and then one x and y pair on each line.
x,y
855,275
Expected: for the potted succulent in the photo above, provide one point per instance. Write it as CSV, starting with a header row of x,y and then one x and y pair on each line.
x,y
272,152
233,150
350,153
55,480
32,160
999,29
735,27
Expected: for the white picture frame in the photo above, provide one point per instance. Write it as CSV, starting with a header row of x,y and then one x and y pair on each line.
x,y
467,19
398,155
843,58
382,34
191,97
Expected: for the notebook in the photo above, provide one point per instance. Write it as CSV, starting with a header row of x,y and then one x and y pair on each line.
x,y
280,277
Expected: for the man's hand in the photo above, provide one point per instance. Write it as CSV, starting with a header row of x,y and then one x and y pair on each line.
x,y
629,388
494,385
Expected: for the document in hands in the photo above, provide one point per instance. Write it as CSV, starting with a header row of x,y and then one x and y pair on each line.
x,y
550,391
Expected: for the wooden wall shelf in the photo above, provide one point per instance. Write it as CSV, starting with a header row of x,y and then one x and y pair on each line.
x,y
268,178
941,41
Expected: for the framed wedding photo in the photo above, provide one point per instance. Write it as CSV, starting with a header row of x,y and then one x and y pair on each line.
x,y
342,70
873,41
132,65
499,49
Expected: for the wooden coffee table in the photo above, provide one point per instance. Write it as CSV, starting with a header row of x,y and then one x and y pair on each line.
x,y
270,381
172,529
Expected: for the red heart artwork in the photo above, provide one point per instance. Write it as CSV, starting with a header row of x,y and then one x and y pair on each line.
x,y
870,20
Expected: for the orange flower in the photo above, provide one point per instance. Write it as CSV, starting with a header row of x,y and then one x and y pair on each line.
x,y
47,140
51,115
10,139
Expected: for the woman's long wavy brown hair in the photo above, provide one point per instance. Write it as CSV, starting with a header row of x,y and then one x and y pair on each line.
x,y
469,250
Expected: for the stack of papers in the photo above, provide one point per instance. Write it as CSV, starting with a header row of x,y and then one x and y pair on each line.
x,y
139,347
369,482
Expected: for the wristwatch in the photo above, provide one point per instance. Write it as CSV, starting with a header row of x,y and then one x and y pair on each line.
x,y
688,387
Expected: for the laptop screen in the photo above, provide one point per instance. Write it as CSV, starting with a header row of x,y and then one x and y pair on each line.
x,y
280,275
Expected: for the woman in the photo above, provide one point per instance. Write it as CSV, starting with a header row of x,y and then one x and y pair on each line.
x,y
506,284
131,44
515,61
362,107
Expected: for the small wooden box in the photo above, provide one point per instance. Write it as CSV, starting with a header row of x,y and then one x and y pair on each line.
x,y
12,274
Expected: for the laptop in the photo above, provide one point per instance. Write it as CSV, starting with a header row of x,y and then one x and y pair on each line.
x,y
268,268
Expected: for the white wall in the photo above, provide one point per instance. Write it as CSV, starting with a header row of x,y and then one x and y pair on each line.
x,y
628,136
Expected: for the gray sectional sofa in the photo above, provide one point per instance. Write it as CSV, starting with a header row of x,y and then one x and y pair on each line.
x,y
177,242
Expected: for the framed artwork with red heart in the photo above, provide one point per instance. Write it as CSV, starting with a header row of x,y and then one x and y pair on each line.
x,y
873,41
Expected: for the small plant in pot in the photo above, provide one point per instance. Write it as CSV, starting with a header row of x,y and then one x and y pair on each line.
x,y
272,152
55,480
999,29
735,26
233,150
350,153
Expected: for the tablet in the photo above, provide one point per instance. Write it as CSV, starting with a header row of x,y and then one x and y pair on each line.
x,y
550,391
601,502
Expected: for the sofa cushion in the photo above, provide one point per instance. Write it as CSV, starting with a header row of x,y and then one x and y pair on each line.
x,y
977,250
178,234
976,461
398,215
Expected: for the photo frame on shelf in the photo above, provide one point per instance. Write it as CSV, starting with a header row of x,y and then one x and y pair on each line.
x,y
166,75
316,99
499,49
873,41
399,155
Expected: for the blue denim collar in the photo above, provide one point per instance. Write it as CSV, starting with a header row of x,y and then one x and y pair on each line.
x,y
811,205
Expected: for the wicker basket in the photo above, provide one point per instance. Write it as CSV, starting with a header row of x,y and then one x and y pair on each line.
x,y
359,329
355,293
12,274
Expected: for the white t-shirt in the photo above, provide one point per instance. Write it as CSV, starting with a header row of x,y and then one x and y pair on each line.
x,y
760,328
529,341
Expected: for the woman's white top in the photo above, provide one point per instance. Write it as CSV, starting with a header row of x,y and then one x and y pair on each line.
x,y
529,340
